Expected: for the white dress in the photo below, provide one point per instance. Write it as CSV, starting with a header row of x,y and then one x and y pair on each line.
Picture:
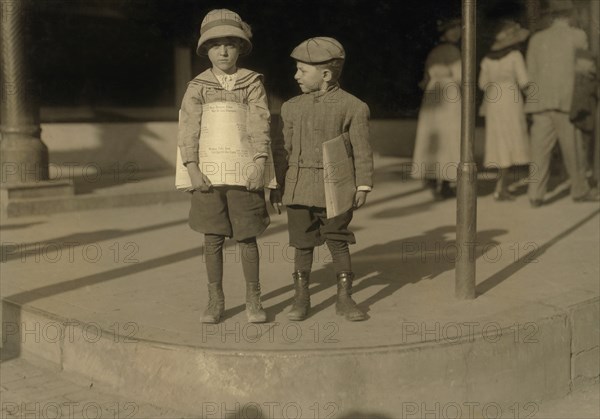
x,y
506,138
437,143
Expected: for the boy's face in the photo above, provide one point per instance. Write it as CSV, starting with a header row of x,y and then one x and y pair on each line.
x,y
309,77
223,53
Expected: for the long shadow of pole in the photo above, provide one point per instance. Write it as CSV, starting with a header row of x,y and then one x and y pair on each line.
x,y
514,267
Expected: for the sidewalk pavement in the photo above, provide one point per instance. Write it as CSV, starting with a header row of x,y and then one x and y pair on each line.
x,y
137,273
39,391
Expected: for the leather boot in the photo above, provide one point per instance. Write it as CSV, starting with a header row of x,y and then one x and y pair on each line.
x,y
301,303
345,305
254,309
216,303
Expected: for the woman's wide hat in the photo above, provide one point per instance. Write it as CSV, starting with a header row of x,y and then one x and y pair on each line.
x,y
511,34
447,23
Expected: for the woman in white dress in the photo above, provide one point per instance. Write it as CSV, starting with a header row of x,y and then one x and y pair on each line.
x,y
437,144
502,78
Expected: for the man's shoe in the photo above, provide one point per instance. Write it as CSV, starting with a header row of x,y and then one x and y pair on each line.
x,y
301,305
503,196
536,203
591,196
446,191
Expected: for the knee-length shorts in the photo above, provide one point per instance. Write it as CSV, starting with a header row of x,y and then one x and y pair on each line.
x,y
309,226
229,211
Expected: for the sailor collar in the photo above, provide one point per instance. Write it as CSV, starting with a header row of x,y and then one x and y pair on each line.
x,y
244,79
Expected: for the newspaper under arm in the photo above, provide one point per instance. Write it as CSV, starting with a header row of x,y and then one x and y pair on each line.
x,y
340,184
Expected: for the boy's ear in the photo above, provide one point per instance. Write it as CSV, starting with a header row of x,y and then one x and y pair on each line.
x,y
327,75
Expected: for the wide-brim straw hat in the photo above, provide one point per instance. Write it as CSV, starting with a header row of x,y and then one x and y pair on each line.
x,y
511,34
222,23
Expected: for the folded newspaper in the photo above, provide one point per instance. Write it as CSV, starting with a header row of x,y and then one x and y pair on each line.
x,y
338,166
225,153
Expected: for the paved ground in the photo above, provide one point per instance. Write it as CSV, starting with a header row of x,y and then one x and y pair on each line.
x,y
37,391
137,273
112,268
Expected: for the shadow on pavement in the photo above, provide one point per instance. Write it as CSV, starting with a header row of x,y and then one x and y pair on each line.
x,y
11,251
391,265
11,305
523,261
407,261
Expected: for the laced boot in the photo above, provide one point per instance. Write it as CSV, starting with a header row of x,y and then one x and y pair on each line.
x,y
216,303
254,309
345,305
301,303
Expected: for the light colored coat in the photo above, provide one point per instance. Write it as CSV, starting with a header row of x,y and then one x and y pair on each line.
x,y
506,138
437,143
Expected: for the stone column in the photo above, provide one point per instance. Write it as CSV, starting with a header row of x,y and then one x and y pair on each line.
x,y
23,155
595,47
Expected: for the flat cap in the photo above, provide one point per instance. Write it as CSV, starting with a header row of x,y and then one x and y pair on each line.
x,y
318,50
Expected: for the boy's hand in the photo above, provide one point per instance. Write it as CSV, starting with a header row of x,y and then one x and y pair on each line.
x,y
198,179
256,177
275,199
360,199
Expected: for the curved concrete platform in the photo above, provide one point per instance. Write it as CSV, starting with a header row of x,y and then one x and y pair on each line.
x,y
129,318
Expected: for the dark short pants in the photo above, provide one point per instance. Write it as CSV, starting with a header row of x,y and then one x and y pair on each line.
x,y
309,226
229,211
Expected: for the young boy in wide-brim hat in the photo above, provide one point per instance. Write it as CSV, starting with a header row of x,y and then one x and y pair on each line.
x,y
322,112
227,211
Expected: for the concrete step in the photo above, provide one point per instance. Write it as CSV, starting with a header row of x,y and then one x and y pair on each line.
x,y
41,206
81,195
497,369
40,189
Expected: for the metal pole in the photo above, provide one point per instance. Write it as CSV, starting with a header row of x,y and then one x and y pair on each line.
x,y
466,214
23,156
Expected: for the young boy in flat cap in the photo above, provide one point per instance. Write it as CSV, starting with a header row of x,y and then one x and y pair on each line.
x,y
322,112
